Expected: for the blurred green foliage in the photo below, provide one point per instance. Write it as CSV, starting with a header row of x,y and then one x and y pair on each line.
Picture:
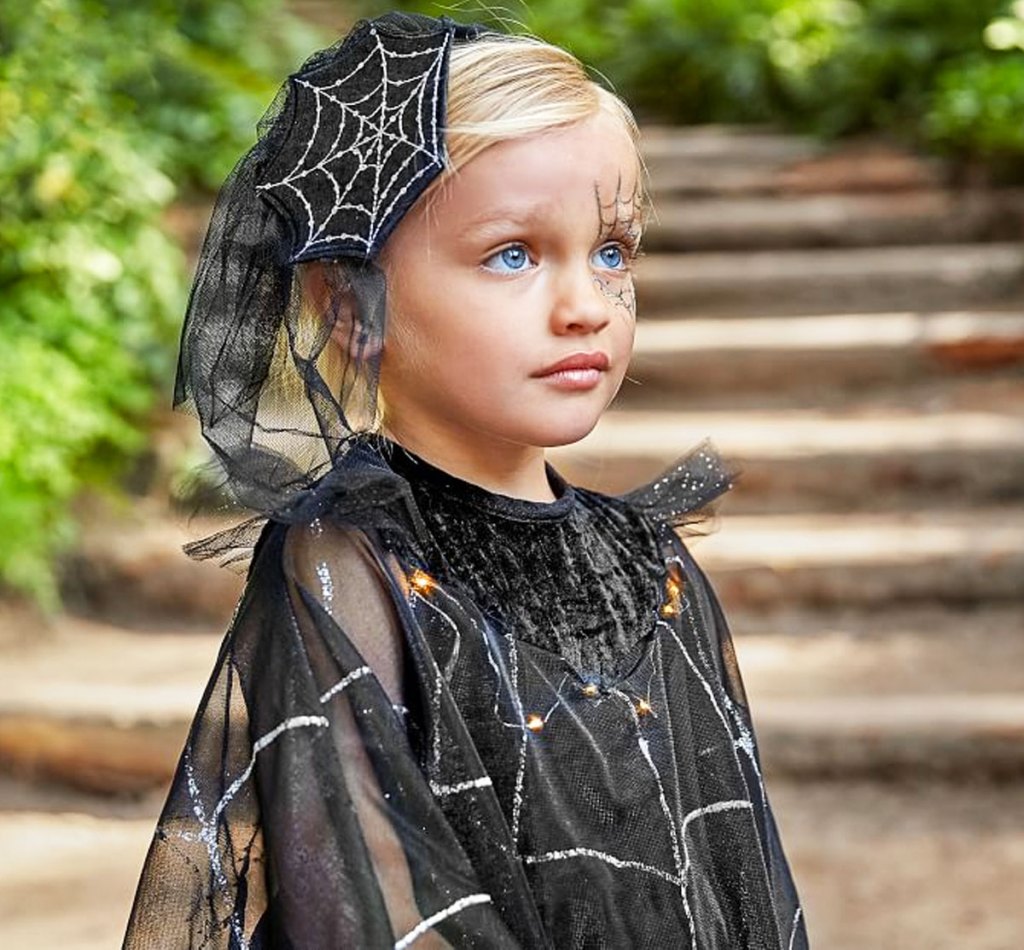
x,y
107,107
978,106
942,73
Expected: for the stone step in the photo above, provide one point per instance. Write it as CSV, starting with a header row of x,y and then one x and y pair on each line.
x,y
686,356
943,556
842,220
789,282
911,650
955,736
903,692
70,870
742,160
97,707
812,460
128,566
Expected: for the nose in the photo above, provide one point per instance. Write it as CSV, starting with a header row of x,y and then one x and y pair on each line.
x,y
581,305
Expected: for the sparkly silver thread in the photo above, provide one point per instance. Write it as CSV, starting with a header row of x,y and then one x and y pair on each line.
x,y
326,585
345,682
615,862
428,923
441,790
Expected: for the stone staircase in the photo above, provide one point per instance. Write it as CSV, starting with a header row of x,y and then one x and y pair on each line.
x,y
849,330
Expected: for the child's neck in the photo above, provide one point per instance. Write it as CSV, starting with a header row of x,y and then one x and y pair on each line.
x,y
500,466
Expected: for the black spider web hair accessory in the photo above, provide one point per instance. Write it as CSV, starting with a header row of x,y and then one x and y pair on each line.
x,y
281,345
363,139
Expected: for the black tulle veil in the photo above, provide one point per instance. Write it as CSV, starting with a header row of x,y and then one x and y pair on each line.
x,y
281,346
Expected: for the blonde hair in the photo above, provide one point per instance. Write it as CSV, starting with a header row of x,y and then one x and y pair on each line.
x,y
502,87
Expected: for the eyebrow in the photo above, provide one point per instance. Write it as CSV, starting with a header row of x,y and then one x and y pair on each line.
x,y
515,216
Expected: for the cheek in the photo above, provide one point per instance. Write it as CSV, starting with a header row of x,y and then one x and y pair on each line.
x,y
404,357
620,294
623,335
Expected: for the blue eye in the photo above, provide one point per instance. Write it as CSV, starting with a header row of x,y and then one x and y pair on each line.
x,y
509,260
611,257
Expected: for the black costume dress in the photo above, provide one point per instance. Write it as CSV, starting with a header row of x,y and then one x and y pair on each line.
x,y
446,717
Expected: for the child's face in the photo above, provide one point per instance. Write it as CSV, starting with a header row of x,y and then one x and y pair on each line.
x,y
521,261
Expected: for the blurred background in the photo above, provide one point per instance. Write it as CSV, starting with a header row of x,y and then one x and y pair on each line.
x,y
833,292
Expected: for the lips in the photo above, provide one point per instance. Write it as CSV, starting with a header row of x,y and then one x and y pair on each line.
x,y
596,360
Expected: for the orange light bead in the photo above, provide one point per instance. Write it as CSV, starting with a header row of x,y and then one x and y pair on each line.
x,y
590,689
534,722
422,581
643,707
673,590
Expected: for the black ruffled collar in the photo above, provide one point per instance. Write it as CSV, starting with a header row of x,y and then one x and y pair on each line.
x,y
418,471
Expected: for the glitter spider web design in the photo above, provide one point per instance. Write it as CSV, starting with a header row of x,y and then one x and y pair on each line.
x,y
679,825
366,142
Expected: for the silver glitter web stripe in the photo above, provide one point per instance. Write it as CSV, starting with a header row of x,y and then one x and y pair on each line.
x,y
343,683
208,825
441,790
517,795
745,740
796,923
435,698
677,855
734,804
326,585
428,923
294,722
615,862
673,833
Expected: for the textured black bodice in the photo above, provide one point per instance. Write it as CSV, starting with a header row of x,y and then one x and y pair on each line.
x,y
580,576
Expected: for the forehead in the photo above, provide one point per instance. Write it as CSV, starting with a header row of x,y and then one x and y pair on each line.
x,y
569,170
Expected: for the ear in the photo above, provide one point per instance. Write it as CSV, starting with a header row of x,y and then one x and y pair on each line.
x,y
332,295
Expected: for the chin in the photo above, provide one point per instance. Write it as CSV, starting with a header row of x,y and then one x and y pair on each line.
x,y
564,432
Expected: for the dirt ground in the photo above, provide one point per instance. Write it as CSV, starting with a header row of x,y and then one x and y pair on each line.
x,y
907,867
892,867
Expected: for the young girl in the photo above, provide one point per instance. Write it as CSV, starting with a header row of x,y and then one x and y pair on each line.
x,y
461,703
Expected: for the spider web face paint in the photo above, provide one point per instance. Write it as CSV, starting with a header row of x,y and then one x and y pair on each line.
x,y
363,140
620,219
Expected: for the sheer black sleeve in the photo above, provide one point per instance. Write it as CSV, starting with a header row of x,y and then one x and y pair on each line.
x,y
300,816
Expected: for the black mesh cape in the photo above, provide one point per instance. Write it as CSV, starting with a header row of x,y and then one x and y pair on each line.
x,y
392,753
